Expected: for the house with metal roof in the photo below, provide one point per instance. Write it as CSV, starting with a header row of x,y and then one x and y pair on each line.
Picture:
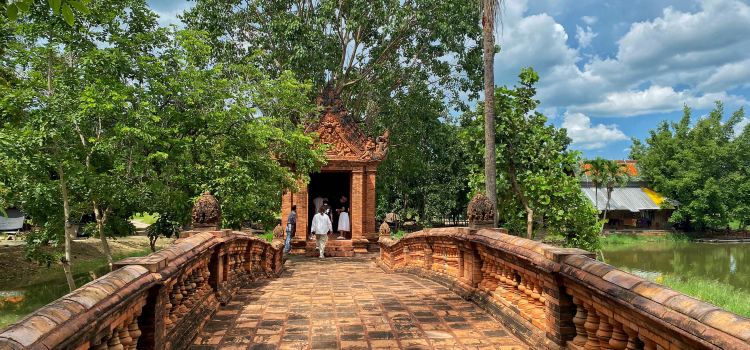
x,y
633,206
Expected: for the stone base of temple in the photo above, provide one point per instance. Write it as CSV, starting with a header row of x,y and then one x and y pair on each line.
x,y
334,247
360,246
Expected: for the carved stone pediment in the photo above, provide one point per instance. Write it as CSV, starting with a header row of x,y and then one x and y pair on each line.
x,y
345,139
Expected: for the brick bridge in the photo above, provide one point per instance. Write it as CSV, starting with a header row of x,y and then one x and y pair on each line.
x,y
451,288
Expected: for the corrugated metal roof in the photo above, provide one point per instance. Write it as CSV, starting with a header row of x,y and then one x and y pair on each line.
x,y
633,199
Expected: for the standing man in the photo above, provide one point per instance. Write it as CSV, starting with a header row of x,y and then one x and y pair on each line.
x,y
321,225
291,227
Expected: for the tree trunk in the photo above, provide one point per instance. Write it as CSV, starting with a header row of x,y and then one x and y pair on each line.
x,y
606,208
152,243
596,197
521,197
69,232
488,54
529,222
101,221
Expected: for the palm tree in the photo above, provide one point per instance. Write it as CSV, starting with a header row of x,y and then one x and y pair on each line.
x,y
616,175
595,169
607,174
490,10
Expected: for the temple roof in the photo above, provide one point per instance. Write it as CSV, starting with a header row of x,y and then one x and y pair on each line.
x,y
346,140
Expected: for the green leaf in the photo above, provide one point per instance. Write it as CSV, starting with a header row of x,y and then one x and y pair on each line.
x,y
67,13
55,5
24,5
12,12
78,6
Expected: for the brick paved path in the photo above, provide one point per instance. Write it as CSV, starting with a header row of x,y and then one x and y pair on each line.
x,y
349,303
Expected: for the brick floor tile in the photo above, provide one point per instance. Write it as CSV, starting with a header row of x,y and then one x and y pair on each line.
x,y
350,304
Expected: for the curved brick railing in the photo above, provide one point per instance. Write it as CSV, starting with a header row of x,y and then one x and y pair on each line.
x,y
558,298
159,301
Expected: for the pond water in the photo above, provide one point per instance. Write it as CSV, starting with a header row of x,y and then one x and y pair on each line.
x,y
17,302
725,262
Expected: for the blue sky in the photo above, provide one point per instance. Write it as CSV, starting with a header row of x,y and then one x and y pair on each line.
x,y
612,70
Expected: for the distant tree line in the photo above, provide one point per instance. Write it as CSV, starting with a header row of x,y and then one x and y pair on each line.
x,y
703,164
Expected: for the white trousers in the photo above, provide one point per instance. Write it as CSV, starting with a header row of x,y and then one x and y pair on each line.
x,y
321,241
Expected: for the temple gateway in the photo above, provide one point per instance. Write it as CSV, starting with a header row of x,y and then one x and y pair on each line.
x,y
346,181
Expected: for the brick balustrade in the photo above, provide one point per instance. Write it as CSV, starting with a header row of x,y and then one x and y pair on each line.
x,y
159,301
558,298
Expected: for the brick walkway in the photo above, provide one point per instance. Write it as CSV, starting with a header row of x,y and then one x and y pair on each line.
x,y
349,303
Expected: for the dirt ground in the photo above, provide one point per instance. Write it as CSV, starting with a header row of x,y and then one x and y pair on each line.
x,y
14,267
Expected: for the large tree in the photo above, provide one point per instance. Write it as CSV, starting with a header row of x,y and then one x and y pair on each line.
x,y
703,166
115,115
367,50
424,177
224,128
398,65
538,189
490,14
65,113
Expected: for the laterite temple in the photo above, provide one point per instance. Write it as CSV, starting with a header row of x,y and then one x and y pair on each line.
x,y
353,160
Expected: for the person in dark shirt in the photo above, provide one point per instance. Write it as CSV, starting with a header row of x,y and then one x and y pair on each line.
x,y
291,227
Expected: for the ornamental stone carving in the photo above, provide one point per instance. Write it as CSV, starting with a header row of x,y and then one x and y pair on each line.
x,y
337,129
480,212
385,229
206,212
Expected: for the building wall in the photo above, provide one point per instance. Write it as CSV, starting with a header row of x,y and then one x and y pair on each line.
x,y
648,219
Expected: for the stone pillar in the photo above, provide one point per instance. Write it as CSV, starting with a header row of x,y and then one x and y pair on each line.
x,y
358,204
286,207
560,310
370,229
301,200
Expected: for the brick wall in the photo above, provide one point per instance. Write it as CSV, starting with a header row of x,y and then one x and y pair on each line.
x,y
159,301
557,298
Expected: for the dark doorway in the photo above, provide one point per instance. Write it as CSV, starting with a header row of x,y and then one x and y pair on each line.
x,y
330,185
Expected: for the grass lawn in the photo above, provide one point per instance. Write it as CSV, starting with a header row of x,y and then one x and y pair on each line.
x,y
268,236
618,240
714,292
146,218
26,286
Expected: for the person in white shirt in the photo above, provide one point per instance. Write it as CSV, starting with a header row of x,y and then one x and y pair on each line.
x,y
321,225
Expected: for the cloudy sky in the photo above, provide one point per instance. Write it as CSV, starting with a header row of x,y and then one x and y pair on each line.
x,y
611,70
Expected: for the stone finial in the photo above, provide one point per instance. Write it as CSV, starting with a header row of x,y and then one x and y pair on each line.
x,y
207,212
385,230
278,232
479,212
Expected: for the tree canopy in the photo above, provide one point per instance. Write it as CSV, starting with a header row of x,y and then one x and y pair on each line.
x,y
702,164
116,115
536,171
367,50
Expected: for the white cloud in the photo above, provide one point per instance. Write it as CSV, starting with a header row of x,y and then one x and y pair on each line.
x,y
589,137
590,20
584,36
662,63
655,99
168,15
740,127
726,76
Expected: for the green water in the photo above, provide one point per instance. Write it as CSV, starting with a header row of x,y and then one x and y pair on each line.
x,y
22,299
728,263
